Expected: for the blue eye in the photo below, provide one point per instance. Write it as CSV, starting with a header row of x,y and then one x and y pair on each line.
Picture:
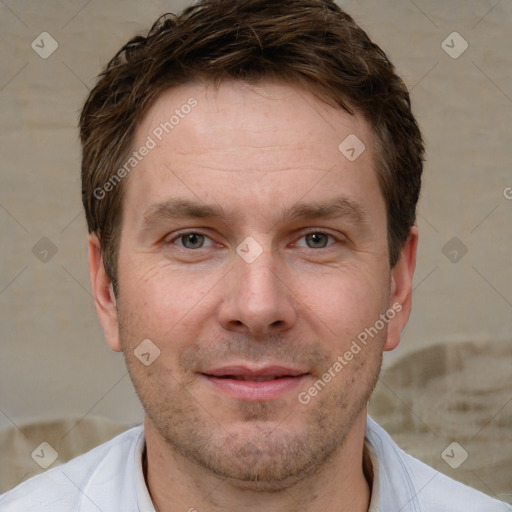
x,y
317,239
192,240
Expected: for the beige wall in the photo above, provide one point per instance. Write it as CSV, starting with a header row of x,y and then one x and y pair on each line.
x,y
53,357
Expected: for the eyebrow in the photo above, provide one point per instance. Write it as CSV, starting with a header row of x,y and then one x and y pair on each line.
x,y
175,208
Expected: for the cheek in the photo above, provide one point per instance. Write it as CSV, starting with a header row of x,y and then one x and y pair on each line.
x,y
161,303
344,302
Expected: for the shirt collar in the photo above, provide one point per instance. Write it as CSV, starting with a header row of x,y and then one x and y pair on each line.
x,y
375,494
144,499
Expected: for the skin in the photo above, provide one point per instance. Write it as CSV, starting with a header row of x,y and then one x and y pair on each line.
x,y
257,152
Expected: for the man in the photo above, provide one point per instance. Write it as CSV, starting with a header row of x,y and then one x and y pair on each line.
x,y
250,177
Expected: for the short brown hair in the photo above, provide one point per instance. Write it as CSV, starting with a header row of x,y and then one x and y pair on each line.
x,y
309,43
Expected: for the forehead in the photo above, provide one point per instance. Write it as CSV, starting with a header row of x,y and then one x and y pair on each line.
x,y
236,114
273,142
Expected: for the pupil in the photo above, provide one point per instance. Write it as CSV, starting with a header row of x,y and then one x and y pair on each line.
x,y
193,239
317,239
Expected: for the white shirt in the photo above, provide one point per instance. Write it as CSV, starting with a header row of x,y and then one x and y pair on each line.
x,y
109,478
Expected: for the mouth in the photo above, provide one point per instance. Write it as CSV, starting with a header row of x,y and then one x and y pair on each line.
x,y
246,383
251,379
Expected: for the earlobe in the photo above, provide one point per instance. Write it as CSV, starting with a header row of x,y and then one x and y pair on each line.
x,y
401,290
103,292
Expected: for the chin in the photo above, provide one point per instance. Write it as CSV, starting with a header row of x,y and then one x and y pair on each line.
x,y
261,456
266,461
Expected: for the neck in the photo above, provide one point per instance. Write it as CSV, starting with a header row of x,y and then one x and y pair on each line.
x,y
175,483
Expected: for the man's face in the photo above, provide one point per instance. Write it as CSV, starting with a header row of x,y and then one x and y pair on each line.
x,y
268,290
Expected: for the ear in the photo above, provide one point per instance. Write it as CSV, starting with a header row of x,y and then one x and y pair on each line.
x,y
401,290
104,297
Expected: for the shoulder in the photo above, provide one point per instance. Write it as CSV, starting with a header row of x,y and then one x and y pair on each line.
x,y
437,492
407,484
79,484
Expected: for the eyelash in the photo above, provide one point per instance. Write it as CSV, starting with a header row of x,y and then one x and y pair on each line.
x,y
183,234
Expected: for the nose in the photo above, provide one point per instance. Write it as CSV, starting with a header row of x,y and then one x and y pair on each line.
x,y
257,299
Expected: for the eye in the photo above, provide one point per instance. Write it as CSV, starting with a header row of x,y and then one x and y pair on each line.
x,y
191,240
317,240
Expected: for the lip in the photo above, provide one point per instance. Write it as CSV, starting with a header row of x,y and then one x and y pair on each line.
x,y
242,382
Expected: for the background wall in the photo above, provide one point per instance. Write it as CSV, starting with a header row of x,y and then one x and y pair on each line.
x,y
54,360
